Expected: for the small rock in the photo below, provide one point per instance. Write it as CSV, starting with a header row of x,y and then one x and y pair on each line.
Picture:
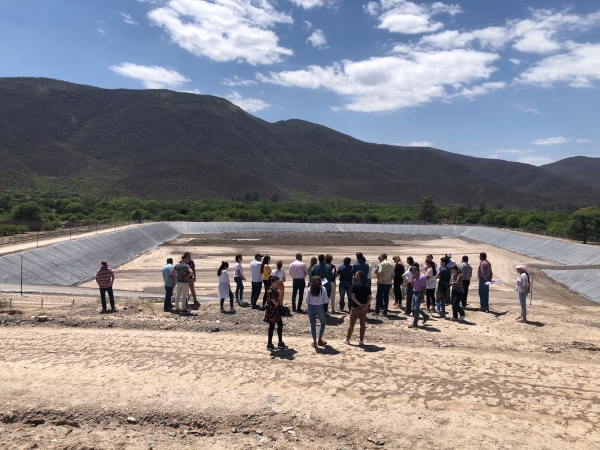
x,y
246,431
234,430
214,330
41,318
286,429
259,432
35,422
132,420
376,440
70,423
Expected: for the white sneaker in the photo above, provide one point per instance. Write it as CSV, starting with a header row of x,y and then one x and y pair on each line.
x,y
361,342
461,318
346,341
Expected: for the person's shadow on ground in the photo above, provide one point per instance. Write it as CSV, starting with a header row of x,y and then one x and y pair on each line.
x,y
371,348
327,350
535,324
283,353
374,321
334,321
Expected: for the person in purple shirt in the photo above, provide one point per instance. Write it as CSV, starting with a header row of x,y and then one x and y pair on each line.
x,y
419,284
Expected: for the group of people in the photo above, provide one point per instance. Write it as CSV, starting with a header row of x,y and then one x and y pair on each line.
x,y
432,284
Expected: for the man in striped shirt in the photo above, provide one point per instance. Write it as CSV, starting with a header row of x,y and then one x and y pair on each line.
x,y
105,279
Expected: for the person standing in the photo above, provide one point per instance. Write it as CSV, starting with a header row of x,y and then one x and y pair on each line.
x,y
443,290
224,288
484,274
324,271
451,263
182,273
359,305
456,282
316,299
467,272
329,260
273,314
523,287
409,287
345,283
256,280
419,287
169,284
398,280
298,272
280,273
238,277
192,279
105,279
265,269
384,283
361,265
431,275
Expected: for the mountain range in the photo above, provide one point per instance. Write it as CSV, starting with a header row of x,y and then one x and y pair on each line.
x,y
172,145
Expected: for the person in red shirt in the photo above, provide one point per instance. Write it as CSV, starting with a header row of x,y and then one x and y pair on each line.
x,y
105,279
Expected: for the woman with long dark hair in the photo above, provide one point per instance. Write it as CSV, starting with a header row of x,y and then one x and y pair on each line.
x,y
398,280
273,314
456,282
316,299
238,277
266,276
280,273
225,287
431,275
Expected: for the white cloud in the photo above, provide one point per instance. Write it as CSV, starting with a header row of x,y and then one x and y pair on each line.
x,y
317,39
406,17
516,62
552,141
247,104
100,30
128,19
528,109
513,151
308,4
152,77
420,144
237,81
579,68
536,160
224,30
306,25
476,91
394,82
193,91
582,141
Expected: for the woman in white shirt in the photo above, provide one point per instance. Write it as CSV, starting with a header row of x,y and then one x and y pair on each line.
x,y
280,273
431,274
522,287
224,287
316,299
409,288
238,277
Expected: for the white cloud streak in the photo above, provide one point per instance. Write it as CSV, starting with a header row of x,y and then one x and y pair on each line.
x,y
237,81
552,141
317,39
100,30
536,160
224,30
528,109
152,77
247,104
420,144
308,4
127,18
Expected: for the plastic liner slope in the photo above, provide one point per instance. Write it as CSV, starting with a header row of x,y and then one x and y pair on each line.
x,y
73,262
585,282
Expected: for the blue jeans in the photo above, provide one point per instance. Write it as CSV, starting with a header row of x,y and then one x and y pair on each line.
x,y
484,294
523,300
315,311
416,307
382,300
239,288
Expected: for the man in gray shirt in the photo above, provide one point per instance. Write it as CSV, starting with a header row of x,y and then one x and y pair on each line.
x,y
467,272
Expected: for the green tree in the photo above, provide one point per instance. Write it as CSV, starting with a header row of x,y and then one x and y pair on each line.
x,y
426,207
27,211
453,212
274,197
513,221
137,215
482,207
586,222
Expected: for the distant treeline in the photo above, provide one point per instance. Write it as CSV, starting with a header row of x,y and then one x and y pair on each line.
x,y
55,212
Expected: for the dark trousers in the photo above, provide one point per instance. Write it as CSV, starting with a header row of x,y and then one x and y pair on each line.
x,y
398,293
230,300
466,284
267,284
382,300
298,286
168,294
345,290
456,308
256,287
430,298
103,292
328,296
409,296
239,288
279,331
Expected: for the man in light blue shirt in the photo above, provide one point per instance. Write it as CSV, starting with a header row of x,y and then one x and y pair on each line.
x,y
169,284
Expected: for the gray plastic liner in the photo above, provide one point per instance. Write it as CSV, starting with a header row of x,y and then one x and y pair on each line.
x,y
586,282
76,261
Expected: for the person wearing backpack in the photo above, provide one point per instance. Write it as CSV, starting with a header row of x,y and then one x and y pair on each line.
x,y
522,287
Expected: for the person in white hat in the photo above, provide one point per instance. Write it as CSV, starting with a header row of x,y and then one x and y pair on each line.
x,y
522,287
451,264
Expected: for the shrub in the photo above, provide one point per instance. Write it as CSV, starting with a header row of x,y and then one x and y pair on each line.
x,y
27,211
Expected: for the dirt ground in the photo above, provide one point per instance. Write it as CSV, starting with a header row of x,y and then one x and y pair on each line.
x,y
72,378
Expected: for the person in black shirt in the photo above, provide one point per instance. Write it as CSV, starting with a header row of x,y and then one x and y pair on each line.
x,y
359,305
443,292
398,280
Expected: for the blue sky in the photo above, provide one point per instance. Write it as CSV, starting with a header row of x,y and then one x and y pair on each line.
x,y
510,79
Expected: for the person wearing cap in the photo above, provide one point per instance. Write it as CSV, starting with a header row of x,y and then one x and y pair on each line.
x,y
451,262
105,279
522,287
298,272
256,279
